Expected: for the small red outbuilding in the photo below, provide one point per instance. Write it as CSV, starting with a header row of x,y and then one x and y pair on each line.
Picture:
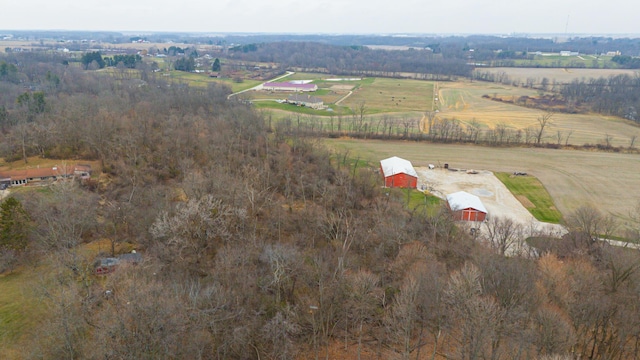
x,y
466,206
398,173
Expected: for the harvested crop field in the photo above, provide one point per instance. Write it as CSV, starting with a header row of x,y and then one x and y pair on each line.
x,y
606,181
463,101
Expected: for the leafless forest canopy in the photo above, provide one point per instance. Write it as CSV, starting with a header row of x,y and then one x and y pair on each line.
x,y
259,243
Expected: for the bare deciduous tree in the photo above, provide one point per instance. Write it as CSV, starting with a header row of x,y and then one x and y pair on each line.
x,y
504,234
477,316
403,316
363,300
544,121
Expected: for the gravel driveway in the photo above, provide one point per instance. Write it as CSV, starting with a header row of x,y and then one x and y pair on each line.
x,y
494,195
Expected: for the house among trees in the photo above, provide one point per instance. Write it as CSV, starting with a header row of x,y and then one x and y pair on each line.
x,y
40,175
306,100
108,265
466,207
398,173
288,86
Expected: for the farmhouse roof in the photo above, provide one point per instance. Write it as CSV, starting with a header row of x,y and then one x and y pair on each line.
x,y
463,200
395,165
37,172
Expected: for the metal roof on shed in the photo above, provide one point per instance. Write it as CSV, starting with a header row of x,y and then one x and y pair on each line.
x,y
395,165
463,200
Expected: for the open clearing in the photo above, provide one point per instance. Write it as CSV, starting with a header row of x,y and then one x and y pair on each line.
x,y
463,101
393,95
606,181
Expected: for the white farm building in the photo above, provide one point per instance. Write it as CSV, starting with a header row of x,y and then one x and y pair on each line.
x,y
287,86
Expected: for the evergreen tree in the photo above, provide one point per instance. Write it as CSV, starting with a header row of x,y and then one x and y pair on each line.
x,y
90,57
216,65
14,225
185,64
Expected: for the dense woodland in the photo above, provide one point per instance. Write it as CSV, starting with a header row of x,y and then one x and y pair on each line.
x,y
355,60
616,95
259,243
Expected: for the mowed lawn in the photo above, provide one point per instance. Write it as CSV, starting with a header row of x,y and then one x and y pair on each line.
x,y
606,181
463,101
533,196
20,311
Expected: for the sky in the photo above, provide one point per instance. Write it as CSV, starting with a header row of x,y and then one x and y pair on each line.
x,y
589,17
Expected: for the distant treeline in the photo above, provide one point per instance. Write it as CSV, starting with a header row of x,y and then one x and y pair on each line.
x,y
484,45
341,60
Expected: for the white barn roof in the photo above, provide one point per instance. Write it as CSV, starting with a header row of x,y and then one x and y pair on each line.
x,y
463,200
395,165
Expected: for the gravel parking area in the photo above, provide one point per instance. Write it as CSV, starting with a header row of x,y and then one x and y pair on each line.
x,y
494,194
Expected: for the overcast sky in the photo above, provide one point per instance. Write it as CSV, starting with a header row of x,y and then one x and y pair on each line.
x,y
328,16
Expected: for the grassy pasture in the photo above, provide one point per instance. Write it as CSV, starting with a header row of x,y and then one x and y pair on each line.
x,y
393,95
533,196
20,310
288,110
327,96
463,101
193,79
380,95
202,79
606,181
305,76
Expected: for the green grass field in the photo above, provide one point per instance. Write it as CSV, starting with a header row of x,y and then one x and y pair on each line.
x,y
20,311
392,95
540,204
292,110
421,202
202,79
379,95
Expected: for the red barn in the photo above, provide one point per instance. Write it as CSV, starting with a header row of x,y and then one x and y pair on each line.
x,y
466,206
398,173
